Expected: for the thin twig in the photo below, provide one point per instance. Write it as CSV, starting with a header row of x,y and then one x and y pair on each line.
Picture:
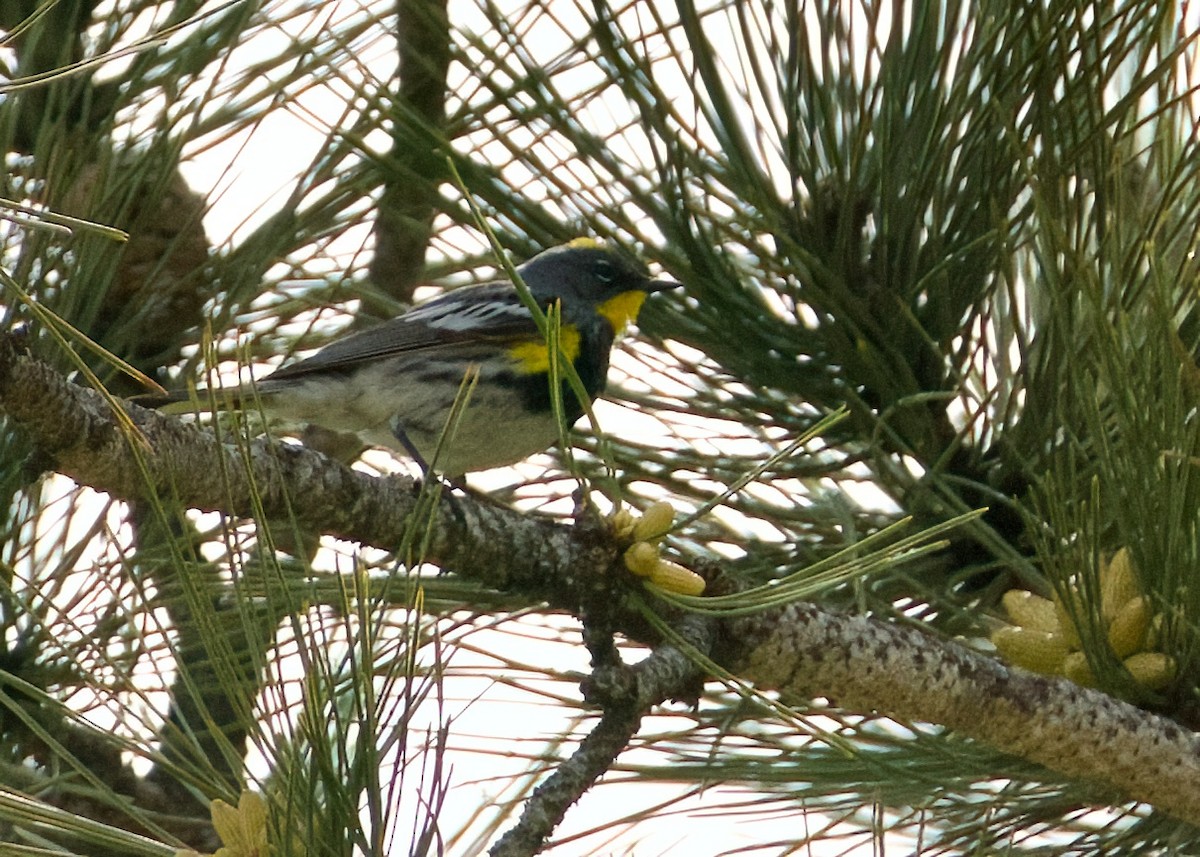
x,y
627,695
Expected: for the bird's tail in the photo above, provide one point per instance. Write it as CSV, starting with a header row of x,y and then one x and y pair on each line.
x,y
191,401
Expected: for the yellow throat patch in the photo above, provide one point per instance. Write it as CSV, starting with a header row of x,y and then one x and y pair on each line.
x,y
622,309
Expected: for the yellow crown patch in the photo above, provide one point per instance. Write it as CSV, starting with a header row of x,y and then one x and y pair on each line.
x,y
584,244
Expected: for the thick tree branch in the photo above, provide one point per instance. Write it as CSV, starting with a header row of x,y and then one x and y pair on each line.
x,y
802,650
863,664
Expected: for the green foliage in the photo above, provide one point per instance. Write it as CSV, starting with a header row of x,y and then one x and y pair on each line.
x,y
971,225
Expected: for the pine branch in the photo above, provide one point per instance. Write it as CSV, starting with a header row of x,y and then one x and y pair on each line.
x,y
627,694
801,649
550,801
404,219
868,665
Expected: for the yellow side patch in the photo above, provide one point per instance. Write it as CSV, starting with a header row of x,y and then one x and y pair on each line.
x,y
533,356
622,309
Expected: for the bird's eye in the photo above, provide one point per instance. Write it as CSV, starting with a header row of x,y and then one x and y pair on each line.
x,y
604,271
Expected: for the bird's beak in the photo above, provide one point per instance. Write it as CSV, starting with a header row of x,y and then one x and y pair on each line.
x,y
653,286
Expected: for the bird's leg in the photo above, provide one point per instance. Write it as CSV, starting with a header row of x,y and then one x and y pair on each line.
x,y
410,448
427,473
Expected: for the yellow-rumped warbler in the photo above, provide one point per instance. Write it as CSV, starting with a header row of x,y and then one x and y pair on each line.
x,y
394,385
